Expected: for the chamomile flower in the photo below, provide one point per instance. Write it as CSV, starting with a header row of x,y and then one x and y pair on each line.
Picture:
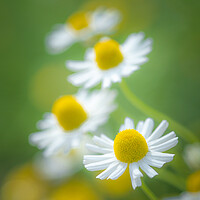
x,y
138,148
61,166
109,61
80,27
71,117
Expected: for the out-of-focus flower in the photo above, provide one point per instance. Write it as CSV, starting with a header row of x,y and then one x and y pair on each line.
x,y
71,117
138,148
192,156
23,184
61,166
109,61
193,188
80,27
76,189
185,196
193,182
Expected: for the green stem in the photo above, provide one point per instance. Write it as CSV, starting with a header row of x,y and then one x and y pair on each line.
x,y
148,192
183,132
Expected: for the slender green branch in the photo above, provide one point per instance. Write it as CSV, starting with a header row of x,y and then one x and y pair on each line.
x,y
148,192
182,131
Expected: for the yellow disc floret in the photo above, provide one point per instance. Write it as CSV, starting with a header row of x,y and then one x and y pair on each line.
x,y
130,146
69,113
78,21
193,182
108,54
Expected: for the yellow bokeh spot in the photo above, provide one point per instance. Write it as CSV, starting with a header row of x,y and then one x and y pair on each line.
x,y
108,54
78,21
193,182
76,190
130,146
22,184
116,188
48,83
69,113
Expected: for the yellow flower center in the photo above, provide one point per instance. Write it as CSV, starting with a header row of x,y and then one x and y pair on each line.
x,y
69,113
193,182
78,21
130,146
108,54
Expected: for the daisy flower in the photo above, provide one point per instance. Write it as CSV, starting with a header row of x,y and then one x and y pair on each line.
x,y
109,61
71,117
138,148
80,27
61,166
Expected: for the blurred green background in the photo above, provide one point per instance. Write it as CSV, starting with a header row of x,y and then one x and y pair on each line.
x,y
31,79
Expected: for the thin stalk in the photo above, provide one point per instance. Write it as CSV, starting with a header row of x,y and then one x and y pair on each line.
x,y
148,192
182,131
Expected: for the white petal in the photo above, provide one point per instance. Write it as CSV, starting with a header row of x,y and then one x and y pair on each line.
x,y
90,54
119,171
152,162
106,138
163,139
54,147
122,128
102,142
95,158
134,169
108,171
79,78
97,149
129,70
59,39
116,78
132,42
106,83
165,146
128,123
101,165
139,126
78,65
93,81
148,127
166,157
135,175
147,169
159,131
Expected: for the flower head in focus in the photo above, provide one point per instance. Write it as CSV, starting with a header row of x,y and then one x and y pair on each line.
x,y
138,148
80,27
109,61
71,117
